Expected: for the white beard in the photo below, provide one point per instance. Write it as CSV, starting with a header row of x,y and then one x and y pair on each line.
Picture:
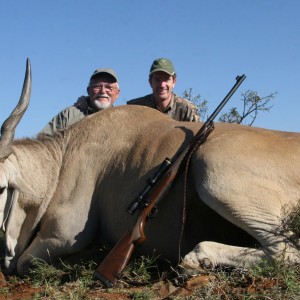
x,y
99,105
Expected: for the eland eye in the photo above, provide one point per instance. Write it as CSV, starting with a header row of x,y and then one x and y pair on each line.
x,y
2,190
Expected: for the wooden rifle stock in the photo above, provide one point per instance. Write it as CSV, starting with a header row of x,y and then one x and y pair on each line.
x,y
110,269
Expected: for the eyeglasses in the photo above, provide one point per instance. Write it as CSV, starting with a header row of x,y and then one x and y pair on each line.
x,y
98,87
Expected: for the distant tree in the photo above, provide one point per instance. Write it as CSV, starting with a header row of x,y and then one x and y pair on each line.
x,y
252,105
198,102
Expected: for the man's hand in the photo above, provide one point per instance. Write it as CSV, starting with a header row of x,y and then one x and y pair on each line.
x,y
82,103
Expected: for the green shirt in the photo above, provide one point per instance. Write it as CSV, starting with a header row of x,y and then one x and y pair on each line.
x,y
65,118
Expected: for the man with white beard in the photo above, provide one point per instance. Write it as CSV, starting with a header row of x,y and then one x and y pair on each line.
x,y
103,90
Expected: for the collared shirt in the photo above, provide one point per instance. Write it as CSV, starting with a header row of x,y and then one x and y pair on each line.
x,y
180,109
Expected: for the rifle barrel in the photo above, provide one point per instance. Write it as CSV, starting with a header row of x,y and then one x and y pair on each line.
x,y
239,80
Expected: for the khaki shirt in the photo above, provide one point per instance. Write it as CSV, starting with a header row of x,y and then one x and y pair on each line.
x,y
65,118
180,109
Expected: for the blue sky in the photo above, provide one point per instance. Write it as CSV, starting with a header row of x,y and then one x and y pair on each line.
x,y
210,43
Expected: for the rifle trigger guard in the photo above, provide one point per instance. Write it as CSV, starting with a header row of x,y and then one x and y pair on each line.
x,y
153,213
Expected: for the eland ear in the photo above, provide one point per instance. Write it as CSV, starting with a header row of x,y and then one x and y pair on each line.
x,y
17,182
8,208
20,185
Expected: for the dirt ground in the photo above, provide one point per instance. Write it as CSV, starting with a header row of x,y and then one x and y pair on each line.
x,y
161,290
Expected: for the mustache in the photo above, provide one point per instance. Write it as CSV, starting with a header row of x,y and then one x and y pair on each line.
x,y
101,96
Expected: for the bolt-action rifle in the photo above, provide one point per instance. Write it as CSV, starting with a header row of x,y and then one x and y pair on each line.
x,y
110,269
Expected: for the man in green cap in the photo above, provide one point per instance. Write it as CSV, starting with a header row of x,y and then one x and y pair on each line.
x,y
162,79
103,90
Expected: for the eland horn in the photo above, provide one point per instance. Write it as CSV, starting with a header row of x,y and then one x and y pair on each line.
x,y
9,126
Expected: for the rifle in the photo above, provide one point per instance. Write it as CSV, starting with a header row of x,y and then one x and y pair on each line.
x,y
109,270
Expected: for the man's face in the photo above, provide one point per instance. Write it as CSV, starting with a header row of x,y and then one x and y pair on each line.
x,y
162,85
103,91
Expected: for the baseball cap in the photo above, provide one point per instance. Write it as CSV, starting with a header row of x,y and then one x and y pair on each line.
x,y
108,71
162,64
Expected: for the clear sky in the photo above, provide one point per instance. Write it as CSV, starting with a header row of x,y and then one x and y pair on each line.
x,y
210,42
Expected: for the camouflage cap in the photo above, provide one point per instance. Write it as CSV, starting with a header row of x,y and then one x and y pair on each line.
x,y
164,65
108,71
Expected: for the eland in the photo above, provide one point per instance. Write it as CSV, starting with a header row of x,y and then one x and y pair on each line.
x,y
60,194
